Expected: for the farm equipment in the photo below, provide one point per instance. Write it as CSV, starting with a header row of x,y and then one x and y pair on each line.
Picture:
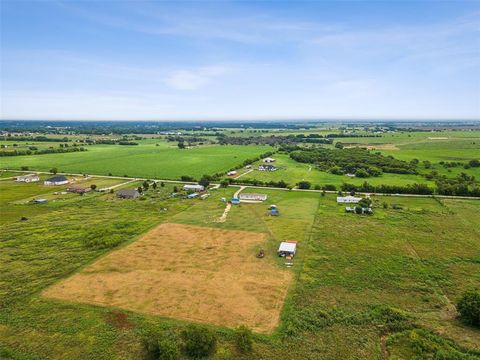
x,y
261,254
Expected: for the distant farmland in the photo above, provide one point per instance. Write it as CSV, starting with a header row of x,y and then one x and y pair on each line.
x,y
145,160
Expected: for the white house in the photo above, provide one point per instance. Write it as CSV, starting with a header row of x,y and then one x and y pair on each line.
x,y
269,160
287,248
231,173
56,180
27,178
193,187
348,199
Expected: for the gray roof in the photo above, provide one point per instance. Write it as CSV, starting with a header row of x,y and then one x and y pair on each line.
x,y
128,192
57,179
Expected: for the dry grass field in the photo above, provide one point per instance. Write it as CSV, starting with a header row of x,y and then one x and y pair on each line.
x,y
186,272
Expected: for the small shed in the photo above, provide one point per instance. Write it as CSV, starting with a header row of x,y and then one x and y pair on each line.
x,y
235,201
231,173
274,212
192,196
269,160
287,248
78,189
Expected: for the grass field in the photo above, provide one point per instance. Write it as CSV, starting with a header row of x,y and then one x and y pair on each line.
x,y
165,161
362,286
186,272
292,172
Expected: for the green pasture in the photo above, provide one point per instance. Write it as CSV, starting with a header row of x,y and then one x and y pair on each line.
x,y
165,161
362,283
292,172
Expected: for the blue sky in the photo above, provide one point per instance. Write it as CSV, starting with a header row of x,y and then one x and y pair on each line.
x,y
93,60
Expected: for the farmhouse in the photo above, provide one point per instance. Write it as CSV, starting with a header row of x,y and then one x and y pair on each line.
x,y
78,189
27,178
348,199
269,160
128,194
252,197
267,168
193,187
287,248
56,180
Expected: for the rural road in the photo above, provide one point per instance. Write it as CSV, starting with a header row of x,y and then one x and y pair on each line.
x,y
251,186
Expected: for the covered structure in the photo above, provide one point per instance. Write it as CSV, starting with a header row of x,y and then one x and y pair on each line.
x,y
253,197
193,187
56,180
27,178
348,199
128,194
287,248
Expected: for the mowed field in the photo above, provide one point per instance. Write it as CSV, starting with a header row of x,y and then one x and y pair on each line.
x,y
186,272
148,160
362,287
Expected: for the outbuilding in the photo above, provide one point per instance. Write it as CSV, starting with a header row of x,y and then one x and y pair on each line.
x,y
128,194
348,199
27,178
287,248
193,187
269,160
267,168
56,180
78,189
252,197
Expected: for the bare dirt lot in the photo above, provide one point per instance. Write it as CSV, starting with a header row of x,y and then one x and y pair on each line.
x,y
187,272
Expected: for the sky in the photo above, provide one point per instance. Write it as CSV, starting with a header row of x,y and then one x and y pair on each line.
x,y
220,60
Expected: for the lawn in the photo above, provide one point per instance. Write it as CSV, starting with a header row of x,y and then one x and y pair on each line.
x,y
147,160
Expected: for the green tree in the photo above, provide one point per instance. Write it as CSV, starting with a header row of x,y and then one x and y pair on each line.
x,y
93,187
243,339
362,173
54,170
469,307
199,341
154,185
224,183
304,185
205,180
181,145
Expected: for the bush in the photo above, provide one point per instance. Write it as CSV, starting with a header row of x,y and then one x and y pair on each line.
x,y
161,349
469,307
243,339
304,185
199,341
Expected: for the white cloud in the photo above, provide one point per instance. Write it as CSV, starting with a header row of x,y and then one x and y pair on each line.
x,y
194,79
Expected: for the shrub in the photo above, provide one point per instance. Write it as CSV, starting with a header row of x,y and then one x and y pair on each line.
x,y
243,339
199,341
304,185
161,349
469,307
